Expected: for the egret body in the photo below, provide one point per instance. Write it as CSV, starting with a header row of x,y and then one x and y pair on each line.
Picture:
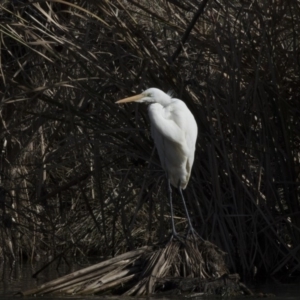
x,y
174,130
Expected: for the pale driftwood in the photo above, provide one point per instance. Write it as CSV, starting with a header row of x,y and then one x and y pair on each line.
x,y
79,276
118,282
91,289
63,287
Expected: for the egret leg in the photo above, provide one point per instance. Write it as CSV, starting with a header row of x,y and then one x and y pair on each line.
x,y
174,233
191,228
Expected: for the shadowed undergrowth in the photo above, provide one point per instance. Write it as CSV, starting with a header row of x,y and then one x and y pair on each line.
x,y
79,175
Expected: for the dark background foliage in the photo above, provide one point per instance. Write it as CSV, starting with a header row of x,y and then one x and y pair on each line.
x,y
79,175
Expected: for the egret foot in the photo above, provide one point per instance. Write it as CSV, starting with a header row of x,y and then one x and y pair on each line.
x,y
195,234
176,236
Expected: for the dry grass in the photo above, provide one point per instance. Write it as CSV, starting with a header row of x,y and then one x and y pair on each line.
x,y
174,268
80,174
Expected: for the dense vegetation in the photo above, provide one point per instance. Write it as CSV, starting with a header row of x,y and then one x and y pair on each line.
x,y
79,175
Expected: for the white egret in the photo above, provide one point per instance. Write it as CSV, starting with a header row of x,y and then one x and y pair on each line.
x,y
174,130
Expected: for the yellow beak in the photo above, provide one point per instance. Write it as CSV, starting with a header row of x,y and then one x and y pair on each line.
x,y
131,99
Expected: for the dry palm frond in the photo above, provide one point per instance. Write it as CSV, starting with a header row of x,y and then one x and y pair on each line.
x,y
146,271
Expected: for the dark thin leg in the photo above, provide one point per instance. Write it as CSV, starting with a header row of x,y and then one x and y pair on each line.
x,y
191,228
174,233
186,210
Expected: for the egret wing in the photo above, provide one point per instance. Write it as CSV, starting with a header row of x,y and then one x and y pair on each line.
x,y
174,131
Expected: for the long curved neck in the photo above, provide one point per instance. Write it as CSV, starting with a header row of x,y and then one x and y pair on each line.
x,y
164,100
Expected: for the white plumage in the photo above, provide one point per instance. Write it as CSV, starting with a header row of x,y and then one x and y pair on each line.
x,y
174,130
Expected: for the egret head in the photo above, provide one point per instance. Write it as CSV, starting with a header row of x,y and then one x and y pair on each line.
x,y
150,95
